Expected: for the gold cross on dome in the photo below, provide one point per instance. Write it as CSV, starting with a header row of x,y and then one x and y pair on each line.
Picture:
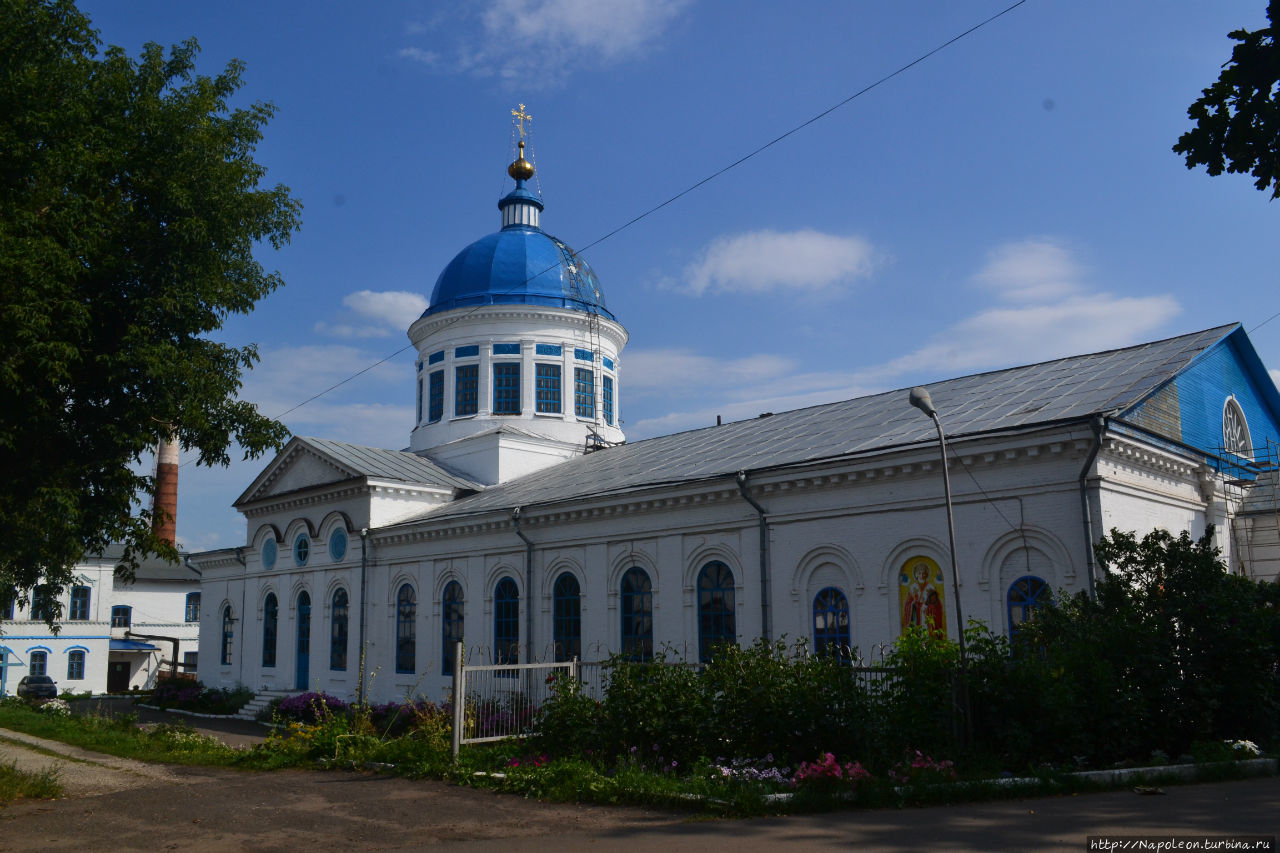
x,y
521,117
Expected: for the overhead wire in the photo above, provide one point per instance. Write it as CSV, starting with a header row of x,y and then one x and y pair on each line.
x,y
704,181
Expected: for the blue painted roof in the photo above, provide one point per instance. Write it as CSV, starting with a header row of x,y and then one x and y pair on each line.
x,y
518,265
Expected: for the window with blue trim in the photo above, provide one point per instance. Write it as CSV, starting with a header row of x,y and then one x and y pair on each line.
x,y
436,357
79,604
466,389
607,362
301,549
506,388
419,417
1025,595
469,351
584,355
10,598
637,615
506,624
121,616
566,618
42,606
193,607
831,624
406,629
270,628
452,623
548,349
547,384
435,398
606,403
38,664
337,544
584,393
269,552
227,635
75,665
717,625
338,631
506,349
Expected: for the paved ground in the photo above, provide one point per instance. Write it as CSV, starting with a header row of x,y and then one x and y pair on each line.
x,y
115,804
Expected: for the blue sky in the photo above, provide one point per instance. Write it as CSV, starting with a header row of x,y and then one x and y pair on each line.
x,y
1009,200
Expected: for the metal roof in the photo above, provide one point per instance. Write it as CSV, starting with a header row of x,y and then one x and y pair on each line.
x,y
151,567
401,465
1072,388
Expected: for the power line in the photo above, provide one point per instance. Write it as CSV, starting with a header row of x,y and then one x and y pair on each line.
x,y
743,159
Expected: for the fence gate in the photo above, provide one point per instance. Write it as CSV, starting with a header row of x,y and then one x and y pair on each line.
x,y
496,701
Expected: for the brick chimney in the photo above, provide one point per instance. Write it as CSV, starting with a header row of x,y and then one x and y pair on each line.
x,y
164,503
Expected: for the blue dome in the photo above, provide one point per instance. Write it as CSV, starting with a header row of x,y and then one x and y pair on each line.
x,y
519,265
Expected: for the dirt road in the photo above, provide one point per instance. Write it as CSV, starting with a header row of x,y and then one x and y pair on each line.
x,y
119,805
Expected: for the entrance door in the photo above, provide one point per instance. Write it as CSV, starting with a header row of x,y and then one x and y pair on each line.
x,y
304,641
118,676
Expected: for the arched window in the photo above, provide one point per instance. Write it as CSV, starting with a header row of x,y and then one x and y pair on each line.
x,y
270,625
506,623
451,624
637,615
1235,429
301,549
716,623
193,607
227,635
38,664
831,623
75,665
1025,595
79,604
338,634
121,616
566,618
406,629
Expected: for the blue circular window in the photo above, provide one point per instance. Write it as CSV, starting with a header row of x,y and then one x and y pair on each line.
x,y
338,544
301,550
269,554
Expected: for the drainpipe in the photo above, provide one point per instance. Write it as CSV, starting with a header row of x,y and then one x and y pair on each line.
x,y
765,627
1097,425
244,582
173,663
528,581
364,574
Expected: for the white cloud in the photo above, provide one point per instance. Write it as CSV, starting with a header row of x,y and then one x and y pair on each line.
x,y
391,313
539,42
1275,376
1033,270
767,260
1053,314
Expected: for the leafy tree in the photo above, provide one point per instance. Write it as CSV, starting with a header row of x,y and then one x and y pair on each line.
x,y
1238,117
129,210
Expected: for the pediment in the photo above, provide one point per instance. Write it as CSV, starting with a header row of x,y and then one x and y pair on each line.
x,y
297,467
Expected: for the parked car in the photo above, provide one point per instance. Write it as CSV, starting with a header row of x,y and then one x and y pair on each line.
x,y
37,687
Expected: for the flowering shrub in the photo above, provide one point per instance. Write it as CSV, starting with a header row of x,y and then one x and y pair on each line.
x,y
1246,748
827,772
922,770
761,773
310,707
528,762
56,707
190,695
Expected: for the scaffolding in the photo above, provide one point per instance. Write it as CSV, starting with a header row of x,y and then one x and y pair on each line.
x,y
1252,484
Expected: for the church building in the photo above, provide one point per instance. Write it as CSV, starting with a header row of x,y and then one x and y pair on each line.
x,y
521,523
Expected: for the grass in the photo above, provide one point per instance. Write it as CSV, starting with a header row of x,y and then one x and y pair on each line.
x,y
18,784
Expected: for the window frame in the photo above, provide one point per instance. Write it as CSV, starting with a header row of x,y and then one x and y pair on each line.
x,y
452,622
406,629
637,623
717,608
435,396
829,603
466,390
81,598
506,388
228,635
75,664
121,616
38,662
506,623
270,630
584,393
191,610
339,624
566,617
548,396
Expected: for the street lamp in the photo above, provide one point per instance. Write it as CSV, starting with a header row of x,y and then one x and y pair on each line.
x,y
921,400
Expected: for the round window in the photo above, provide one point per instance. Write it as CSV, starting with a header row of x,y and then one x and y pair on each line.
x,y
338,544
301,550
269,554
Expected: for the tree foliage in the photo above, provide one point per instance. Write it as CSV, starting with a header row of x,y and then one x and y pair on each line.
x,y
1238,117
130,206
